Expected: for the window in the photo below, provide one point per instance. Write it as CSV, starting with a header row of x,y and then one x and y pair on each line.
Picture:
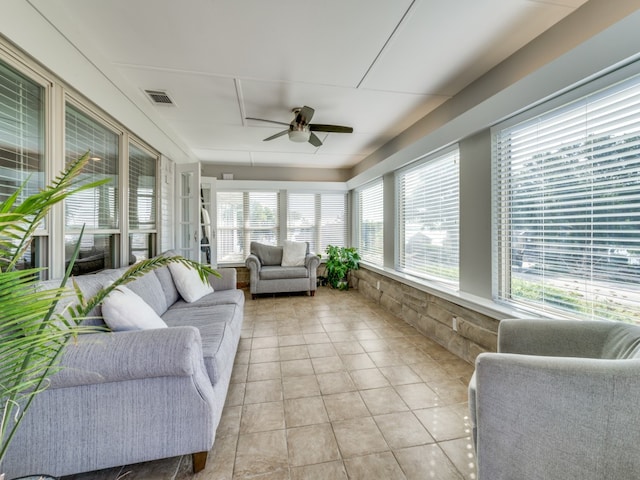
x,y
242,218
370,223
22,143
317,218
142,203
95,208
428,218
568,207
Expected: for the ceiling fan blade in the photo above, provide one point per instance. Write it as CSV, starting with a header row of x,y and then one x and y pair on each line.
x,y
264,120
279,134
318,127
314,140
305,114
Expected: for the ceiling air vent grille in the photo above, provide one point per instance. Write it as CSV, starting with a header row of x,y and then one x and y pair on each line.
x,y
159,97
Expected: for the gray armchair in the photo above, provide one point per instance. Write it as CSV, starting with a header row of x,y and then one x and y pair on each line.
x,y
559,400
267,275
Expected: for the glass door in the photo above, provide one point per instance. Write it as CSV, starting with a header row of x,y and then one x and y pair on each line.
x,y
188,232
208,241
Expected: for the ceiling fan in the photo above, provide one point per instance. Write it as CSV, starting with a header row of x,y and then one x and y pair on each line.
x,y
300,130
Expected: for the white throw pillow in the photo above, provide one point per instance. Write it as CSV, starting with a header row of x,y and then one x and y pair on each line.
x,y
293,253
188,282
124,310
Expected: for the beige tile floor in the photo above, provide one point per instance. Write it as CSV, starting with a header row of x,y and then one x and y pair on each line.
x,y
333,387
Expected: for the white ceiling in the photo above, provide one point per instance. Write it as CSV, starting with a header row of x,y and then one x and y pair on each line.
x,y
375,65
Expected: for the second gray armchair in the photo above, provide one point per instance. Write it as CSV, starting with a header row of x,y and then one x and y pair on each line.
x,y
281,269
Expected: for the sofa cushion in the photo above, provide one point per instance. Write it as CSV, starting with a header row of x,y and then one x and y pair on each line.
x,y
217,328
149,288
189,283
169,289
219,297
294,253
123,310
89,285
283,273
269,255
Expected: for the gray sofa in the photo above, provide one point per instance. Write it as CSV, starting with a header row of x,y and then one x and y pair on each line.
x,y
267,275
130,397
558,401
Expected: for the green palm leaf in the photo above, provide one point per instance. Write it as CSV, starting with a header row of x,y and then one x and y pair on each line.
x,y
32,337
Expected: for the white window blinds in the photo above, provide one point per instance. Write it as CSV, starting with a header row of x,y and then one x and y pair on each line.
x,y
142,189
302,218
230,228
317,218
333,220
21,133
370,223
97,208
568,207
428,218
243,217
262,222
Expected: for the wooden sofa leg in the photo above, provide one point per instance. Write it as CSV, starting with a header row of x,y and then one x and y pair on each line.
x,y
199,460
313,293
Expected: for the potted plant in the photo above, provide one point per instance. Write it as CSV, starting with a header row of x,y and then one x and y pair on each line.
x,y
33,336
340,261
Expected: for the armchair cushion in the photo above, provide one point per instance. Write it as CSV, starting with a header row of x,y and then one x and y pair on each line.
x,y
294,253
279,273
267,254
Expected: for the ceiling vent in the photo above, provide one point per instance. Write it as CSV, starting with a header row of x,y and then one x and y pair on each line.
x,y
159,97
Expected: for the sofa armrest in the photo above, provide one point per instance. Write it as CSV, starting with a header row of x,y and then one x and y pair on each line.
x,y
549,417
563,338
120,356
227,280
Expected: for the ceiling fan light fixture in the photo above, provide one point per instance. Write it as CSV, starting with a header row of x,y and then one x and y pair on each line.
x,y
299,135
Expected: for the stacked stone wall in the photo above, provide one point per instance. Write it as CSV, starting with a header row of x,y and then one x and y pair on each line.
x,y
430,314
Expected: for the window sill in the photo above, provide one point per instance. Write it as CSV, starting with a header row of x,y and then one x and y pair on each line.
x,y
481,305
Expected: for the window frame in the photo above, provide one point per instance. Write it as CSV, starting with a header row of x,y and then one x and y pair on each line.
x,y
503,243
152,232
318,230
426,167
374,257
246,230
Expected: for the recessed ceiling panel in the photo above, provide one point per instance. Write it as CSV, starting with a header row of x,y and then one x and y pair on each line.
x,y
197,97
331,43
441,49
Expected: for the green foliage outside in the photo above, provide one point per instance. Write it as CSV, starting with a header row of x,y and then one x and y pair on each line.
x,y
570,301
